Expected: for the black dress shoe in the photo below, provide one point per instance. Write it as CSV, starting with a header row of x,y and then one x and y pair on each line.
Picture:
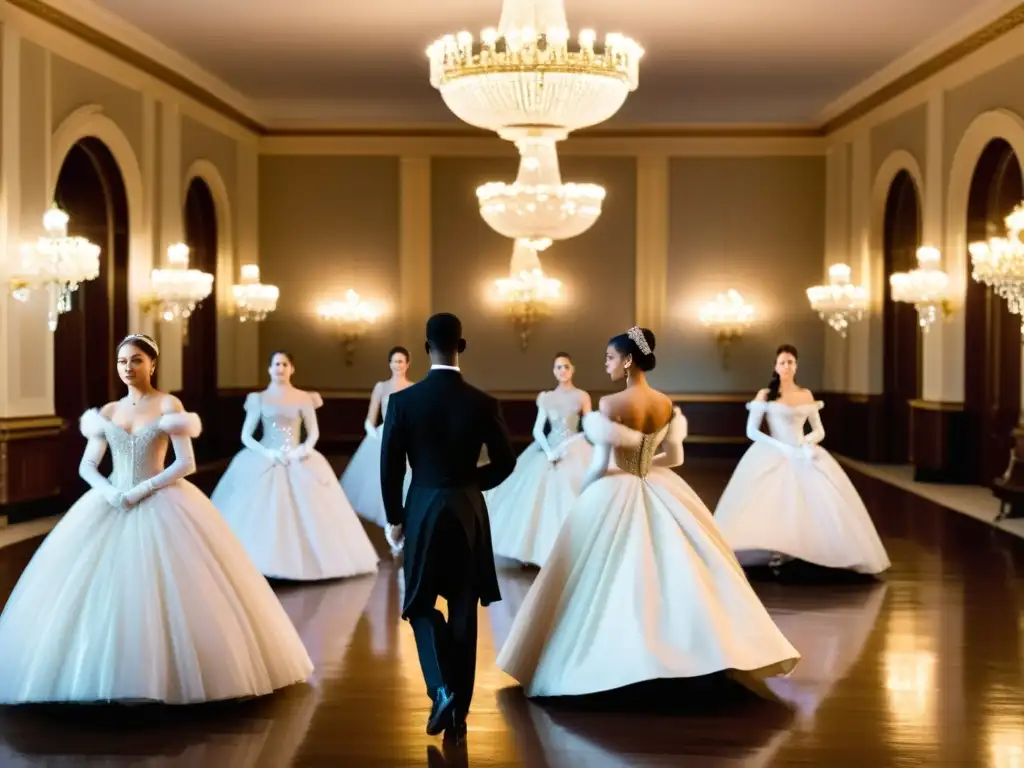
x,y
442,714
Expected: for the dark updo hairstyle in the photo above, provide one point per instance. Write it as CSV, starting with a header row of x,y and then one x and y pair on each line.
x,y
398,351
624,345
776,382
566,355
276,352
143,342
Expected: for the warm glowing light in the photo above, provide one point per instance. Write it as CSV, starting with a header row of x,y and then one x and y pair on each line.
x,y
177,291
839,303
999,263
728,313
254,300
351,317
527,294
926,287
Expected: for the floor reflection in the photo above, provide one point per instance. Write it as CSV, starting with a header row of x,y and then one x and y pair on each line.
x,y
924,668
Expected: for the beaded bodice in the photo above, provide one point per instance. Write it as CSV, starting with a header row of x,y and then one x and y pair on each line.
x,y
637,461
136,457
563,413
282,425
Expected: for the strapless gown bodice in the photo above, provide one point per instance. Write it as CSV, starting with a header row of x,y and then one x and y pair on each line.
x,y
282,426
786,422
135,457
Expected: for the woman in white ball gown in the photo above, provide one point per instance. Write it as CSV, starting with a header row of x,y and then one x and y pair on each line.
x,y
528,509
788,498
640,585
281,497
141,592
361,478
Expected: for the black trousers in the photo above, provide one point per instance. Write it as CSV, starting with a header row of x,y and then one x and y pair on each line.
x,y
447,649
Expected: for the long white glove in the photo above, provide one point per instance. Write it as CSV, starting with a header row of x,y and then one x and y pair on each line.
x,y
395,536
370,427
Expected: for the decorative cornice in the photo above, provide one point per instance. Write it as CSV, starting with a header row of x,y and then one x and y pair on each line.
x,y
992,31
109,44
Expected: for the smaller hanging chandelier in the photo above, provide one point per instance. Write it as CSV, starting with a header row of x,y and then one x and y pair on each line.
x,y
926,287
254,300
728,317
839,303
527,293
177,290
57,263
999,262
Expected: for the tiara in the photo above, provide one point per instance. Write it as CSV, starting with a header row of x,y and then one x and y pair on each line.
x,y
141,337
639,339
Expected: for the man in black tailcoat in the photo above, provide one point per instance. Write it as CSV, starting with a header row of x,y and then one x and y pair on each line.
x,y
440,425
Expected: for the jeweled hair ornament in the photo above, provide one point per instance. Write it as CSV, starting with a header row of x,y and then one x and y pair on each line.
x,y
639,339
140,337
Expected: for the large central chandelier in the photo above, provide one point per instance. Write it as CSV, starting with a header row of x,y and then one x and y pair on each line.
x,y
839,303
57,263
254,300
999,263
527,76
926,287
178,290
527,293
538,207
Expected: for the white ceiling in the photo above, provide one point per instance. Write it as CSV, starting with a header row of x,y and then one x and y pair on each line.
x,y
712,61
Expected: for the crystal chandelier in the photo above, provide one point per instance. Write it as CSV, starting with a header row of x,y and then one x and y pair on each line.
x,y
538,207
178,290
926,287
839,303
999,263
527,293
351,318
253,300
57,263
526,77
728,316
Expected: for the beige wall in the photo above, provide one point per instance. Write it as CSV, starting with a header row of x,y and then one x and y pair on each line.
x,y
328,224
55,89
755,224
935,131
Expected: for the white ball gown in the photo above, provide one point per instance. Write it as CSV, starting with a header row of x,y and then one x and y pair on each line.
x,y
640,585
157,602
528,509
361,478
283,501
788,497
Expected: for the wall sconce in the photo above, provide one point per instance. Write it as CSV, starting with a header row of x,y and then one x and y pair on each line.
x,y
351,319
728,316
999,262
253,300
926,287
57,263
527,293
839,303
176,291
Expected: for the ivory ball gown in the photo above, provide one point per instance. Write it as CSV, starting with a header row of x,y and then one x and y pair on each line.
x,y
640,585
283,500
788,498
158,602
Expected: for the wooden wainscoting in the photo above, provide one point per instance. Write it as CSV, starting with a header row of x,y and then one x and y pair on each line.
x,y
29,471
939,440
855,425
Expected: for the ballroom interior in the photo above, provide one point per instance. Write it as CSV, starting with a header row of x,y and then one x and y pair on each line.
x,y
847,178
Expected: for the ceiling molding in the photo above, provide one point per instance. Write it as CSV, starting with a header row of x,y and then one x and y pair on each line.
x,y
948,56
82,21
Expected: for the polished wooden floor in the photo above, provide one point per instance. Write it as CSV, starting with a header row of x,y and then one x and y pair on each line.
x,y
923,668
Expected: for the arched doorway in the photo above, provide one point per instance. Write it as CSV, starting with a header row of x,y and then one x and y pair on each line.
x,y
992,354
199,354
91,191
901,358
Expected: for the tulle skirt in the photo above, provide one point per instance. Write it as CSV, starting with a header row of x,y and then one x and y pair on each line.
x,y
640,586
157,603
361,480
294,520
528,509
803,508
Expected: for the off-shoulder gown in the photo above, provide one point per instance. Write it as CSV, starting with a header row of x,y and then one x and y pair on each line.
x,y
293,519
788,498
640,585
157,602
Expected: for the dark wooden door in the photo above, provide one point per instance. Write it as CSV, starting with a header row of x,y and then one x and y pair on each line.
x,y
901,357
992,353
199,354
